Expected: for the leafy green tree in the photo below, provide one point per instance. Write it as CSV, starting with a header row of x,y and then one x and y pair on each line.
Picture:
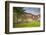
x,y
18,12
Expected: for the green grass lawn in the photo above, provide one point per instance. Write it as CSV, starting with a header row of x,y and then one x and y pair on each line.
x,y
29,24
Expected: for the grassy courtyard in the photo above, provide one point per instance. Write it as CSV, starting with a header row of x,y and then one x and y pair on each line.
x,y
29,24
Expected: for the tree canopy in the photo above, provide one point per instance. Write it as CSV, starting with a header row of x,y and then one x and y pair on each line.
x,y
18,10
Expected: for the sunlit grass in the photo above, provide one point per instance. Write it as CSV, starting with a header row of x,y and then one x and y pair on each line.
x,y
29,24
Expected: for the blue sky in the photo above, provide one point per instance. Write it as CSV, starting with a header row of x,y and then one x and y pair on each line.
x,y
32,10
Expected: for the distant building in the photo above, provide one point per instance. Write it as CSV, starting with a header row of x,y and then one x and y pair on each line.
x,y
32,16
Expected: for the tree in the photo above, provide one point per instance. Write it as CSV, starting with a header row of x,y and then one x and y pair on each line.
x,y
18,13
